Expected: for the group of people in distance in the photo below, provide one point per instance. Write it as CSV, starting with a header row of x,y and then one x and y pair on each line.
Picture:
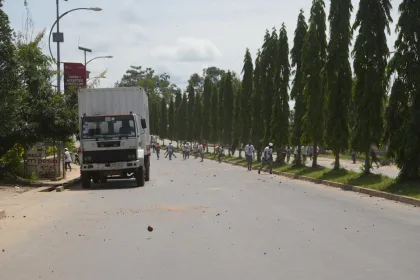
x,y
198,150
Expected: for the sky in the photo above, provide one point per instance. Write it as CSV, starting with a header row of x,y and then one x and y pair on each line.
x,y
179,37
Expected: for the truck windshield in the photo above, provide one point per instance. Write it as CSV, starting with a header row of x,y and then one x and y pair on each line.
x,y
108,127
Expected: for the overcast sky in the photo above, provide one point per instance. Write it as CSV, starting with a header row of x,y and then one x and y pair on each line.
x,y
178,37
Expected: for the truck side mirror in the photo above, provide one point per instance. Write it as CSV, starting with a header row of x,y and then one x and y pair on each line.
x,y
143,123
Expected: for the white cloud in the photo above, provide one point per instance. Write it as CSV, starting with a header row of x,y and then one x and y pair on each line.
x,y
188,49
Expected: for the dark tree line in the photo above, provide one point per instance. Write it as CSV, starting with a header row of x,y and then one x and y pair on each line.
x,y
333,107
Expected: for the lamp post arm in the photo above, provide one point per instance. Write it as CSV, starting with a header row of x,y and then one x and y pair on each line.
x,y
96,58
49,36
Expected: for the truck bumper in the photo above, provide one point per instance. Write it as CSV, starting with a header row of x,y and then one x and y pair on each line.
x,y
112,166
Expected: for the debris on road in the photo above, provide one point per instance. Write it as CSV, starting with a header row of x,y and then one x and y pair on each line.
x,y
218,214
149,228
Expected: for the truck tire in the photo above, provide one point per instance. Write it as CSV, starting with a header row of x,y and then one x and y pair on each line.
x,y
85,177
147,169
140,177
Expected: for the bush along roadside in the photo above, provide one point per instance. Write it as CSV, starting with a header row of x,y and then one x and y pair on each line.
x,y
373,184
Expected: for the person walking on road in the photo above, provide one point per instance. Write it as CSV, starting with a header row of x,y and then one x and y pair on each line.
x,y
157,148
201,151
353,156
288,152
221,152
267,158
195,150
249,154
170,151
374,158
67,159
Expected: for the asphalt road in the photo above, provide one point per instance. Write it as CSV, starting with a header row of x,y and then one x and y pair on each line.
x,y
210,221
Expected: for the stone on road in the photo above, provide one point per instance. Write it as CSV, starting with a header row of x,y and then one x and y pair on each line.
x,y
229,226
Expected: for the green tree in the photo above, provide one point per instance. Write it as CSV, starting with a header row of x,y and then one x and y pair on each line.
x,y
9,87
257,128
370,61
198,118
206,122
313,62
171,119
403,112
339,78
190,111
280,107
228,109
268,71
220,109
298,85
182,118
163,119
177,124
237,122
247,87
214,114
154,104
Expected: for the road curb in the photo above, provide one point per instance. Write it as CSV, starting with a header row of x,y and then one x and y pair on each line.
x,y
385,195
2,213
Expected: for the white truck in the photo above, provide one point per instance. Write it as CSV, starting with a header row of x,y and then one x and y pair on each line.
x,y
114,135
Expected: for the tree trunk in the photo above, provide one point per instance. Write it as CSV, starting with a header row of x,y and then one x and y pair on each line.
x,y
367,164
337,160
299,156
315,156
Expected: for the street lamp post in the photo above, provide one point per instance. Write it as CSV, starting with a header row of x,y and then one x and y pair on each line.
x,y
98,57
59,37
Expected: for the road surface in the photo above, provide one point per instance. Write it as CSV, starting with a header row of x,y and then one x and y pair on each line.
x,y
210,221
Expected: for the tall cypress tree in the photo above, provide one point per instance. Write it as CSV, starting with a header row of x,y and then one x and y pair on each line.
x,y
237,123
198,117
190,110
171,118
298,85
182,118
207,105
268,70
247,85
177,123
214,116
228,108
163,119
154,104
370,61
257,128
313,62
339,78
403,112
280,107
220,108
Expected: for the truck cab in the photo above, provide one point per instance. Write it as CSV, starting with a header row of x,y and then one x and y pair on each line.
x,y
113,145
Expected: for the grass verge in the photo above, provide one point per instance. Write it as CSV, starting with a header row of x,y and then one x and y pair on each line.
x,y
372,181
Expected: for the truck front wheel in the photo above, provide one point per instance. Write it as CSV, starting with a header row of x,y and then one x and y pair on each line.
x,y
140,177
147,169
85,177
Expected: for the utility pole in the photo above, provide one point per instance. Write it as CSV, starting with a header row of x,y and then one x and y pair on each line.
x,y
58,48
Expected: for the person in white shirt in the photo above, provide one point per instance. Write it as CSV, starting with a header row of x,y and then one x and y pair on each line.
x,y
67,158
201,151
195,149
288,152
170,151
187,150
249,154
267,158
304,153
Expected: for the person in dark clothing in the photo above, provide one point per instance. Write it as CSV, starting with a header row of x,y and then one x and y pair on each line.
x,y
374,158
353,156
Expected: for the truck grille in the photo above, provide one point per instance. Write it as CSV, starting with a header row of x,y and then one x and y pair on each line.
x,y
109,156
